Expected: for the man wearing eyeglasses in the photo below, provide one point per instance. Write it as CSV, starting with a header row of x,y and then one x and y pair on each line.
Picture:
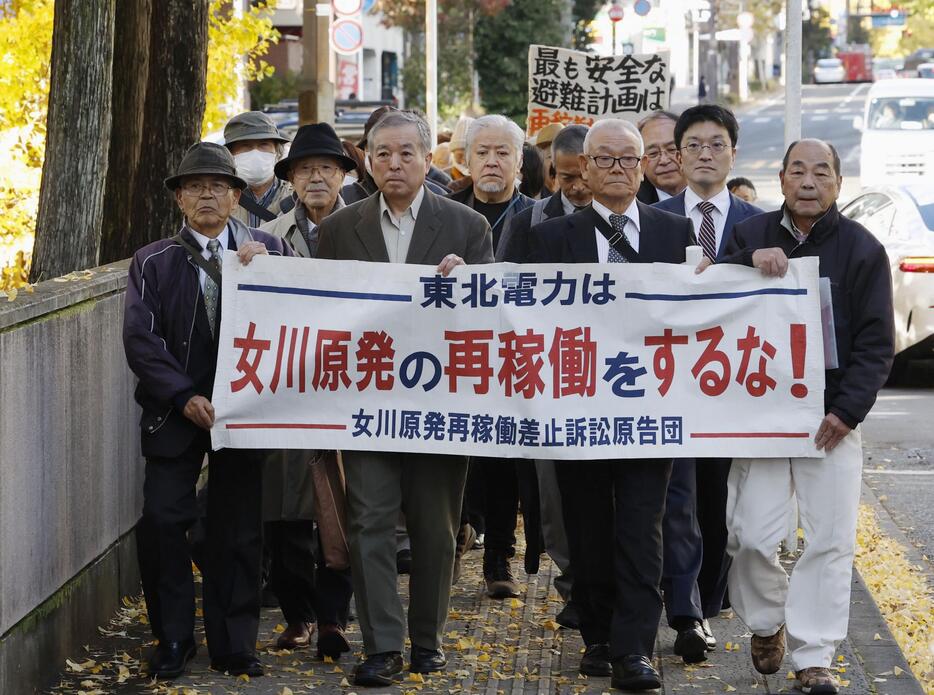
x,y
170,331
663,176
613,508
308,591
696,563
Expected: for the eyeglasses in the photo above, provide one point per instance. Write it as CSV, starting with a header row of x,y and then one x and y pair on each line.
x,y
695,148
197,188
306,171
656,153
605,161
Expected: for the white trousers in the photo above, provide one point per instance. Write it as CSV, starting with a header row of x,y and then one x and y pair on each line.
x,y
814,604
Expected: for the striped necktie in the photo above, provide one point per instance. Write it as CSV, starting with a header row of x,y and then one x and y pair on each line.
x,y
211,290
708,233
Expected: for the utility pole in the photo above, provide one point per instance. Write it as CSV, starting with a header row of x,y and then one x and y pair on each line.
x,y
316,91
792,71
431,68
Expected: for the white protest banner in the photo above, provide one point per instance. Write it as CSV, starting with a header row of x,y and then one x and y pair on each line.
x,y
539,361
570,87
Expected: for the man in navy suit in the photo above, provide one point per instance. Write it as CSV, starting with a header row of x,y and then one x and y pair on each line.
x,y
615,504
696,563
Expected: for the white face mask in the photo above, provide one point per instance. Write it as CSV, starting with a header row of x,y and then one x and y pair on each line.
x,y
255,167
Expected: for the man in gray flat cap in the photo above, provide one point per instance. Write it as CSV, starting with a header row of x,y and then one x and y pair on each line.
x,y
256,145
170,329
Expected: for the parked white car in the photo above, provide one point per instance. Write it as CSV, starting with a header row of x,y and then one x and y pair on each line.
x,y
829,70
902,218
897,145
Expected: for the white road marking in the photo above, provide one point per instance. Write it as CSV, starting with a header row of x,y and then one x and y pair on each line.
x,y
888,472
761,119
822,111
852,95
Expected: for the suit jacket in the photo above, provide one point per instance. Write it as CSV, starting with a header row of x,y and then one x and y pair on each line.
x,y
739,211
663,237
514,247
442,227
647,193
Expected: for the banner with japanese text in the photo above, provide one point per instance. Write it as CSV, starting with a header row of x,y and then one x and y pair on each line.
x,y
538,361
570,87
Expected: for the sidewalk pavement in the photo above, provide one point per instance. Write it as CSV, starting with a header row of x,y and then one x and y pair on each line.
x,y
510,647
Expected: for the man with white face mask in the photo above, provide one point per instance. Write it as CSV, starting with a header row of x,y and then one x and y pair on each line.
x,y
256,145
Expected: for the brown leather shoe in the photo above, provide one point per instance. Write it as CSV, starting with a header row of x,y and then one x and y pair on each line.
x,y
296,636
817,680
332,641
768,652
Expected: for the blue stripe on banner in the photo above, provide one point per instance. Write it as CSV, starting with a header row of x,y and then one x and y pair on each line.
x,y
712,295
326,293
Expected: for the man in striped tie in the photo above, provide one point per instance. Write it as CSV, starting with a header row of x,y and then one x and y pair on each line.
x,y
696,564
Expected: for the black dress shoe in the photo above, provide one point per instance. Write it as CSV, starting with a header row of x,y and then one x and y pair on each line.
x,y
635,672
170,658
245,664
596,661
378,670
708,635
239,665
691,644
426,660
569,616
403,561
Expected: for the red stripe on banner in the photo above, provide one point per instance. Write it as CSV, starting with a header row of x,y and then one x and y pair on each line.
x,y
283,426
749,435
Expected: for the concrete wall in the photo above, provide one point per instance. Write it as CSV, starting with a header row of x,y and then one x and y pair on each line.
x,y
70,469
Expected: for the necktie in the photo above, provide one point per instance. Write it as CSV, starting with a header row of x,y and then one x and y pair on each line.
x,y
211,290
708,234
618,222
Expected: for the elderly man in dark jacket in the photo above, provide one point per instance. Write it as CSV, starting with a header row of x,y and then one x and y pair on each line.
x,y
171,325
309,591
812,611
494,157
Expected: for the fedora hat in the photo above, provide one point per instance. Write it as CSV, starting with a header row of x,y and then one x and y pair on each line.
x,y
206,158
251,125
314,140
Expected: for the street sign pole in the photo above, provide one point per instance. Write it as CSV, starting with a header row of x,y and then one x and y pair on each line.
x,y
431,68
616,14
792,71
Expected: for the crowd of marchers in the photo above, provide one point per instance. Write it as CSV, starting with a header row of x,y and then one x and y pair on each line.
x,y
633,539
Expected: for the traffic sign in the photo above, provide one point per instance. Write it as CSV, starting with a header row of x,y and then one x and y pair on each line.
x,y
615,12
346,7
346,36
642,7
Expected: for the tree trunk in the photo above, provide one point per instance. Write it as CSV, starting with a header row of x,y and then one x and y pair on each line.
x,y
78,125
130,74
174,108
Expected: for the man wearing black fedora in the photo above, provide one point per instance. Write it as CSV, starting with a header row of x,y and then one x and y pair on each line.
x,y
315,167
171,323
309,592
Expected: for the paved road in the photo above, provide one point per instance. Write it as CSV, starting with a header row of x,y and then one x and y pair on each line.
x,y
827,113
899,464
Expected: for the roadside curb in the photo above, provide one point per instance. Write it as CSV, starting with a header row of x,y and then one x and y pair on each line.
x,y
866,620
